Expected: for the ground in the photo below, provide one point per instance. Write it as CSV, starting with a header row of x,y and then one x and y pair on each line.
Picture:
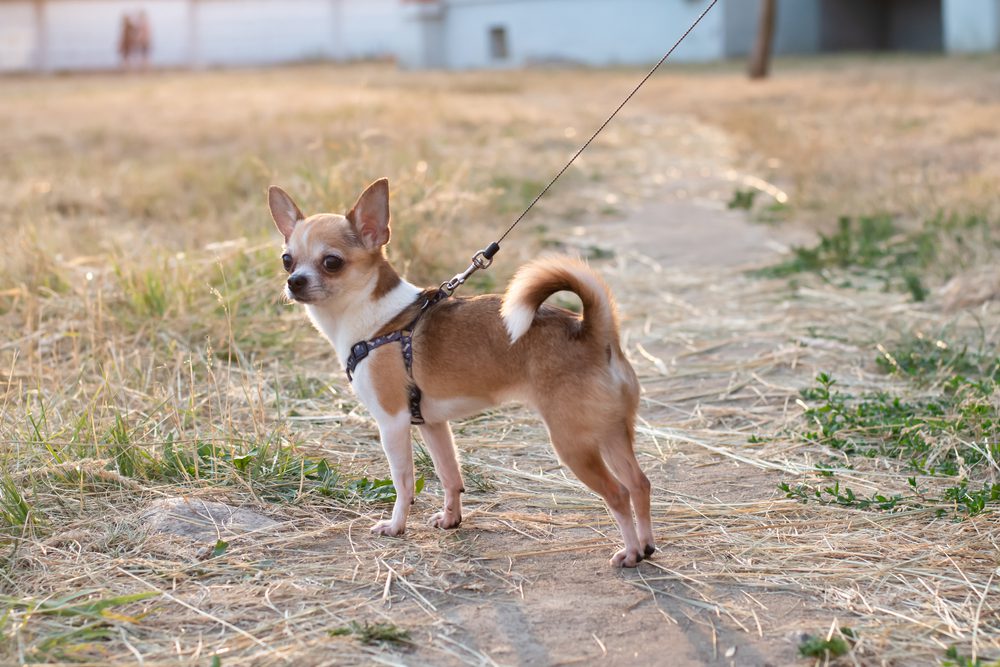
x,y
150,357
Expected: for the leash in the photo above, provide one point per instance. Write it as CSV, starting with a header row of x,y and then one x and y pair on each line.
x,y
484,258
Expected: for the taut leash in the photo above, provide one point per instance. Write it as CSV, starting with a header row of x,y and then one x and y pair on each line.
x,y
484,258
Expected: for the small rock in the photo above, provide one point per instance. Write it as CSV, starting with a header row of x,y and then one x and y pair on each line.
x,y
203,520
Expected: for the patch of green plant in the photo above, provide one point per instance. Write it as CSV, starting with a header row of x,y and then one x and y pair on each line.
x,y
80,604
277,472
922,358
15,512
814,646
955,659
220,549
373,633
96,614
834,495
900,258
145,291
973,502
743,199
953,435
879,424
864,242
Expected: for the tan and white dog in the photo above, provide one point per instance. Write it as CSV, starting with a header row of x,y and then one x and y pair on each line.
x,y
469,353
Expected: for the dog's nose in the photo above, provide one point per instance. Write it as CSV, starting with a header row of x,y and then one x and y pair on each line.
x,y
297,282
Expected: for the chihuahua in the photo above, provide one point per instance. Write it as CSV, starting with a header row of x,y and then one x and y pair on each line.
x,y
468,353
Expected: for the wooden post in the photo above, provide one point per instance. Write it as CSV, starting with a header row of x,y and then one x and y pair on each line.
x,y
760,58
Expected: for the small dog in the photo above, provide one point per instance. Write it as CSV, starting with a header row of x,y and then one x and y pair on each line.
x,y
468,353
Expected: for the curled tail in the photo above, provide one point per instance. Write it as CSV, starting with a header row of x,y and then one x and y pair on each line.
x,y
541,278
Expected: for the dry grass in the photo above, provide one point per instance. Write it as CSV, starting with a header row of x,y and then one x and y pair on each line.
x,y
139,306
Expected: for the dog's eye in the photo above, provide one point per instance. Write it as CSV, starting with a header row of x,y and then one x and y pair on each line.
x,y
286,260
332,263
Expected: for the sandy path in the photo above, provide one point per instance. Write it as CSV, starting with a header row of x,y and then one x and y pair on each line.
x,y
573,607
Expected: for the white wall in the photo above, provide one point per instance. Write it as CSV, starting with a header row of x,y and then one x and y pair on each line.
x,y
971,25
17,36
593,32
373,28
253,32
84,34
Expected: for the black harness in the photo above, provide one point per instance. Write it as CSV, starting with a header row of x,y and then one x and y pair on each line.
x,y
361,349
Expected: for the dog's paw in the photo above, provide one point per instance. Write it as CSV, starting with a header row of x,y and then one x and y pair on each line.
x,y
387,528
446,520
626,558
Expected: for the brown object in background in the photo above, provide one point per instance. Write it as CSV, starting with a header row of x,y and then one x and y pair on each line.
x,y
126,40
135,41
760,58
143,39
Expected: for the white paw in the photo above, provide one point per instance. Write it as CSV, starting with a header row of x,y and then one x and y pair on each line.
x,y
387,528
446,520
626,558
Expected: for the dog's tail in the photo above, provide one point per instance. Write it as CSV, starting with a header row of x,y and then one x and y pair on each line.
x,y
541,278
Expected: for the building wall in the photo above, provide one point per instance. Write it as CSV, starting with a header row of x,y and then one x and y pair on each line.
x,y
971,25
84,34
592,32
915,25
796,26
18,46
876,25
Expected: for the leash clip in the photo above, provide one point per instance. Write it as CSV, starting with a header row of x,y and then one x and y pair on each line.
x,y
481,260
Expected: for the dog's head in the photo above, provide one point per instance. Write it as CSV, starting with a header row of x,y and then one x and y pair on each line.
x,y
329,255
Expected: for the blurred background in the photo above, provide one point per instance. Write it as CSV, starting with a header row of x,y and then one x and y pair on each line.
x,y
57,35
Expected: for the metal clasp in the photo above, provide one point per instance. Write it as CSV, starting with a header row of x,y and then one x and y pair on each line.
x,y
481,260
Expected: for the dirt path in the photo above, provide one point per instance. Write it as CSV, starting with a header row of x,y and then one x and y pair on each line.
x,y
570,606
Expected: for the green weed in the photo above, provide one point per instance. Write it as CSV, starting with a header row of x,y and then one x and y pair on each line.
x,y
743,199
879,424
954,659
15,512
79,604
276,472
97,614
373,633
813,646
901,259
953,435
921,358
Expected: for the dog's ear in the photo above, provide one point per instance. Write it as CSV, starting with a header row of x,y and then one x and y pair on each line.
x,y
370,215
283,210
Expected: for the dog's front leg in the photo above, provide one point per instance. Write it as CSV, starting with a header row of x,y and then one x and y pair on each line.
x,y
395,434
441,445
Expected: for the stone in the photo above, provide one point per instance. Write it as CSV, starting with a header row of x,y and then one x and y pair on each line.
x,y
204,520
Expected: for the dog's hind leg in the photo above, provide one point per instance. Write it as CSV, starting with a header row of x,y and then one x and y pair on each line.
x,y
583,457
618,452
441,446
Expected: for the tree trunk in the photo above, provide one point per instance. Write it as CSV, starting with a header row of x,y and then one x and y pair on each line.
x,y
760,59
